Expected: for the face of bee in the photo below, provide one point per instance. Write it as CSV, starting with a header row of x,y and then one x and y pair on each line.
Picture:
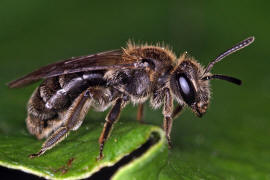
x,y
189,81
189,88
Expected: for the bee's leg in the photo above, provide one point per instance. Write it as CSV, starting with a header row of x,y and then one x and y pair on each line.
x,y
167,113
73,119
110,120
177,110
140,113
55,138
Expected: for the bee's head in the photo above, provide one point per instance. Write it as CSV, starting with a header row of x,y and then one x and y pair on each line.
x,y
188,88
190,81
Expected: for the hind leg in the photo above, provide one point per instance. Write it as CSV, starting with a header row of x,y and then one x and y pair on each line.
x,y
72,120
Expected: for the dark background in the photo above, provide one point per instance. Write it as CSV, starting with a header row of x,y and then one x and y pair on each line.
x,y
230,141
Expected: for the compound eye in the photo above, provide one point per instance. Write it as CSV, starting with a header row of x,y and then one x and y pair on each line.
x,y
186,89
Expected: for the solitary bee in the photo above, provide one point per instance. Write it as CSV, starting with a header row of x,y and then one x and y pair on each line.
x,y
115,78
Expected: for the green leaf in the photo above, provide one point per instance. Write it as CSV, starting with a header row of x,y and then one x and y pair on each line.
x,y
75,157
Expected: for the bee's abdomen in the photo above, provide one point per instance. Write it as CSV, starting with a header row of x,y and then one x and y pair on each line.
x,y
57,93
70,87
53,97
36,107
38,115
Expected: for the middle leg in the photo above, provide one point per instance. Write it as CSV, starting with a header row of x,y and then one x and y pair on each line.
x,y
110,120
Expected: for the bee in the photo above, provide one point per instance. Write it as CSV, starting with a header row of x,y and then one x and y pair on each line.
x,y
113,79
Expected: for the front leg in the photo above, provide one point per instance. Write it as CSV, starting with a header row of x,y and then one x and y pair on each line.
x,y
177,111
167,113
110,120
140,113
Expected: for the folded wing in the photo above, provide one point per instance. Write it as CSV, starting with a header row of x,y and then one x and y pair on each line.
x,y
100,61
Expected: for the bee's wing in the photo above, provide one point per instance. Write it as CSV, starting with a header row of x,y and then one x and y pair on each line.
x,y
100,61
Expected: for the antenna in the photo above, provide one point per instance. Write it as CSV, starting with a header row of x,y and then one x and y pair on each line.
x,y
223,77
235,48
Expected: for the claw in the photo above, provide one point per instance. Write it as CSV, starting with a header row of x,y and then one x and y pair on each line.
x,y
100,157
31,156
169,142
